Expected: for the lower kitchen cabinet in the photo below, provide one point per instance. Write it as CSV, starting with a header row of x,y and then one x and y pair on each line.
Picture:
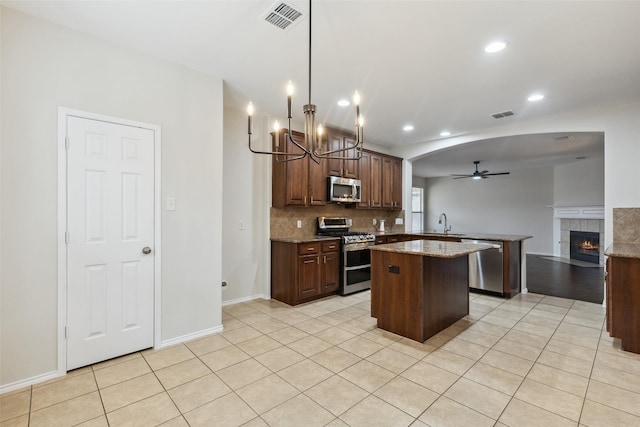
x,y
623,301
304,271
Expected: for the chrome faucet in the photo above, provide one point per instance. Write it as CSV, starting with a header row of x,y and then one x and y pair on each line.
x,y
446,229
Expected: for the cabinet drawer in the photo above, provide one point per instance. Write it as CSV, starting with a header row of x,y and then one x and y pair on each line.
x,y
308,248
331,246
381,240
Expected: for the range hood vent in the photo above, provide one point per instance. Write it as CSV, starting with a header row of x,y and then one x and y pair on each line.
x,y
502,114
281,15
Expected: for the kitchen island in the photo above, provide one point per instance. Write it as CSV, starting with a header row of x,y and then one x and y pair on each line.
x,y
420,287
505,276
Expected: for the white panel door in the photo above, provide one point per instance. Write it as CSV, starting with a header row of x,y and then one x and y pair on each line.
x,y
110,215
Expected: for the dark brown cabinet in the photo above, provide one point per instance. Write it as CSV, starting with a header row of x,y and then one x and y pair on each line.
x,y
391,183
381,178
330,267
370,173
302,272
298,182
303,183
396,195
623,301
337,166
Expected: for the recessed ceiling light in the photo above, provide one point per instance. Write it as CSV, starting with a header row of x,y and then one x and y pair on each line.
x,y
445,133
343,103
535,97
407,128
495,47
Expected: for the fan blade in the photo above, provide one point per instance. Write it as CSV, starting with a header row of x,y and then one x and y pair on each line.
x,y
483,172
462,176
499,173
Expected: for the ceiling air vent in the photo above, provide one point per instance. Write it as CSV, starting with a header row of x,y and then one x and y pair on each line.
x,y
281,15
502,114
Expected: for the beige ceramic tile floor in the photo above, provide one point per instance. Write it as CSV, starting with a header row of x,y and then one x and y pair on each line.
x,y
529,361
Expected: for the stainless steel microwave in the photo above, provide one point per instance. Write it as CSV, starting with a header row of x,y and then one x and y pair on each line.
x,y
343,190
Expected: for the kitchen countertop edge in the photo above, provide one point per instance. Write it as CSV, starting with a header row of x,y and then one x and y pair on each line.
x,y
303,239
623,250
431,248
474,236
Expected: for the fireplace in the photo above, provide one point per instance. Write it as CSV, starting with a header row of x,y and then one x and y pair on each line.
x,y
584,246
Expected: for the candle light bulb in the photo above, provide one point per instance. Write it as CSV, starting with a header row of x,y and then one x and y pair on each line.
x,y
361,121
276,128
320,130
250,109
290,88
356,98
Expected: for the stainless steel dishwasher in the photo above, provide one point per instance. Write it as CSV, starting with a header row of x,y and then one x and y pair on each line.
x,y
485,267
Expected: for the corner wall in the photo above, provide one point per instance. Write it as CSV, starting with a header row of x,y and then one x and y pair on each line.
x,y
45,66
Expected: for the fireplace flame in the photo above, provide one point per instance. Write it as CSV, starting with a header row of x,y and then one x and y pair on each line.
x,y
588,246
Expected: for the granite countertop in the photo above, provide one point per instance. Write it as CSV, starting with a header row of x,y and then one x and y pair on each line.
x,y
475,236
431,248
624,250
303,239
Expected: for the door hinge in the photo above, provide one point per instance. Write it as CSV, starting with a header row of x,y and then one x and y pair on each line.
x,y
66,142
66,332
66,237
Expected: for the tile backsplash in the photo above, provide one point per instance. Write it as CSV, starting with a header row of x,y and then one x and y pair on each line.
x,y
626,225
284,221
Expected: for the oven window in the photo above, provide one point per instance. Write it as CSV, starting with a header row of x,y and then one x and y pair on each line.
x,y
357,276
359,257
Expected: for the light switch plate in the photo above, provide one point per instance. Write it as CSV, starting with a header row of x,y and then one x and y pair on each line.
x,y
171,204
299,224
399,221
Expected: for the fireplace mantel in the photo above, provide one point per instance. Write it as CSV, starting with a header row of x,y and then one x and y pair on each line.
x,y
578,212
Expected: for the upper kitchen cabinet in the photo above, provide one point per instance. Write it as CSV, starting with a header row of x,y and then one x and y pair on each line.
x,y
381,177
337,166
391,182
299,182
370,173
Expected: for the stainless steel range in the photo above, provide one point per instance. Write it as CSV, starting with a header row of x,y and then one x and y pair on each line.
x,y
356,258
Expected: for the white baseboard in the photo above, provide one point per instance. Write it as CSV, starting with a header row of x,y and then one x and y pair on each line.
x,y
29,381
244,299
189,337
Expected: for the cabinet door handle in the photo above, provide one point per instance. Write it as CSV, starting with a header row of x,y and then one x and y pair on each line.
x,y
311,199
325,259
305,200
310,249
318,260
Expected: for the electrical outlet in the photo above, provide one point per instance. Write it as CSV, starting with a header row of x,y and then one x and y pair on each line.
x,y
171,204
241,225
299,223
399,221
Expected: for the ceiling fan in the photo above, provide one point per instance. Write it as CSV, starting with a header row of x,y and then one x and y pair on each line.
x,y
478,174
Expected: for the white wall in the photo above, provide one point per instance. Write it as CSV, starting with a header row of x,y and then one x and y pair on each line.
x,y
246,199
43,67
580,183
513,204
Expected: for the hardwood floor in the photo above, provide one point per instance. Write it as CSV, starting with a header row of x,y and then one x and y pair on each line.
x,y
564,280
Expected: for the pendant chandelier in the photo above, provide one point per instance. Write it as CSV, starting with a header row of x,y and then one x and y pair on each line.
x,y
312,145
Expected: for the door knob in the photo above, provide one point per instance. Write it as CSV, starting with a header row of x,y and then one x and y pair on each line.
x,y
146,250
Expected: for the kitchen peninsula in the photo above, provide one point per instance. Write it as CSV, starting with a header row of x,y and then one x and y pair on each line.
x,y
420,287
